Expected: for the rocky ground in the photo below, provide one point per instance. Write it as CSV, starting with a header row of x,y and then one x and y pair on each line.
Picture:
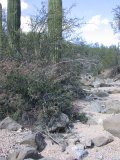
x,y
90,141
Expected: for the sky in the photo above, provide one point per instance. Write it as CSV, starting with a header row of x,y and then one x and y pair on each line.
x,y
97,15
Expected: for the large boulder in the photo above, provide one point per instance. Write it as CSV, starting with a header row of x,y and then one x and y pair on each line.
x,y
10,124
100,93
50,158
112,106
35,140
97,106
24,154
29,140
109,106
40,142
112,125
58,123
102,140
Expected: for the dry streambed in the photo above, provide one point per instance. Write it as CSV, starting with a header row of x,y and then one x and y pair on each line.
x,y
85,141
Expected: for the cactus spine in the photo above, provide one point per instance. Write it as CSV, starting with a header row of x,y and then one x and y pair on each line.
x,y
13,23
55,27
1,29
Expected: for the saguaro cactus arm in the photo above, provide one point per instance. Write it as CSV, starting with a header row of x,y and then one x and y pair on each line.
x,y
13,22
55,26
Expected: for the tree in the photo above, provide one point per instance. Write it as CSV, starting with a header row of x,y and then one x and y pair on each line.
x,y
116,19
55,27
13,23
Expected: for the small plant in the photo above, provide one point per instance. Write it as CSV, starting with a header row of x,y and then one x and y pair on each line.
x,y
80,116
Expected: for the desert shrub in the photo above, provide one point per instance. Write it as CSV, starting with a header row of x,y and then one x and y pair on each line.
x,y
17,82
44,88
80,116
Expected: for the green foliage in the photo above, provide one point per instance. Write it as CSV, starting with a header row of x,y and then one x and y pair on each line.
x,y
17,82
16,115
35,82
13,23
11,104
44,90
81,117
116,19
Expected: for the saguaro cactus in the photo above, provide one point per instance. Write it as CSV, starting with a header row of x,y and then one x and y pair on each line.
x,y
13,23
55,27
0,29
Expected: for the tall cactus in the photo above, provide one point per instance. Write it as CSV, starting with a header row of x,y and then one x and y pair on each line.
x,y
1,33
13,23
55,27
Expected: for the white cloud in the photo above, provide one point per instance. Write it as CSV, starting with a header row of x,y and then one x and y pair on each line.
x,y
94,23
105,21
4,3
98,29
25,21
95,20
24,5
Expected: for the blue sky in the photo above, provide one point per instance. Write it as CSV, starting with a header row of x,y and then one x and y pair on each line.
x,y
97,13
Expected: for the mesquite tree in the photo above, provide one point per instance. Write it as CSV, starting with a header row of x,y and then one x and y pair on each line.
x,y
55,28
116,19
13,23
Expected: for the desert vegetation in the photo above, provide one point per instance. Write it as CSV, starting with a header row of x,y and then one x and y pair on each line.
x,y
41,69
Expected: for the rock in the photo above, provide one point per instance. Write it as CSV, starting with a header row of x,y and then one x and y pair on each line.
x,y
98,107
58,123
48,158
71,158
33,154
29,140
76,141
73,140
87,80
99,156
112,106
80,151
97,83
13,155
105,85
101,140
38,126
64,146
91,120
112,125
102,94
89,143
24,154
40,142
9,124
115,158
29,159
35,140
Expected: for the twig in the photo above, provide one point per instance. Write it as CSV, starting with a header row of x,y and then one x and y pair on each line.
x,y
48,134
